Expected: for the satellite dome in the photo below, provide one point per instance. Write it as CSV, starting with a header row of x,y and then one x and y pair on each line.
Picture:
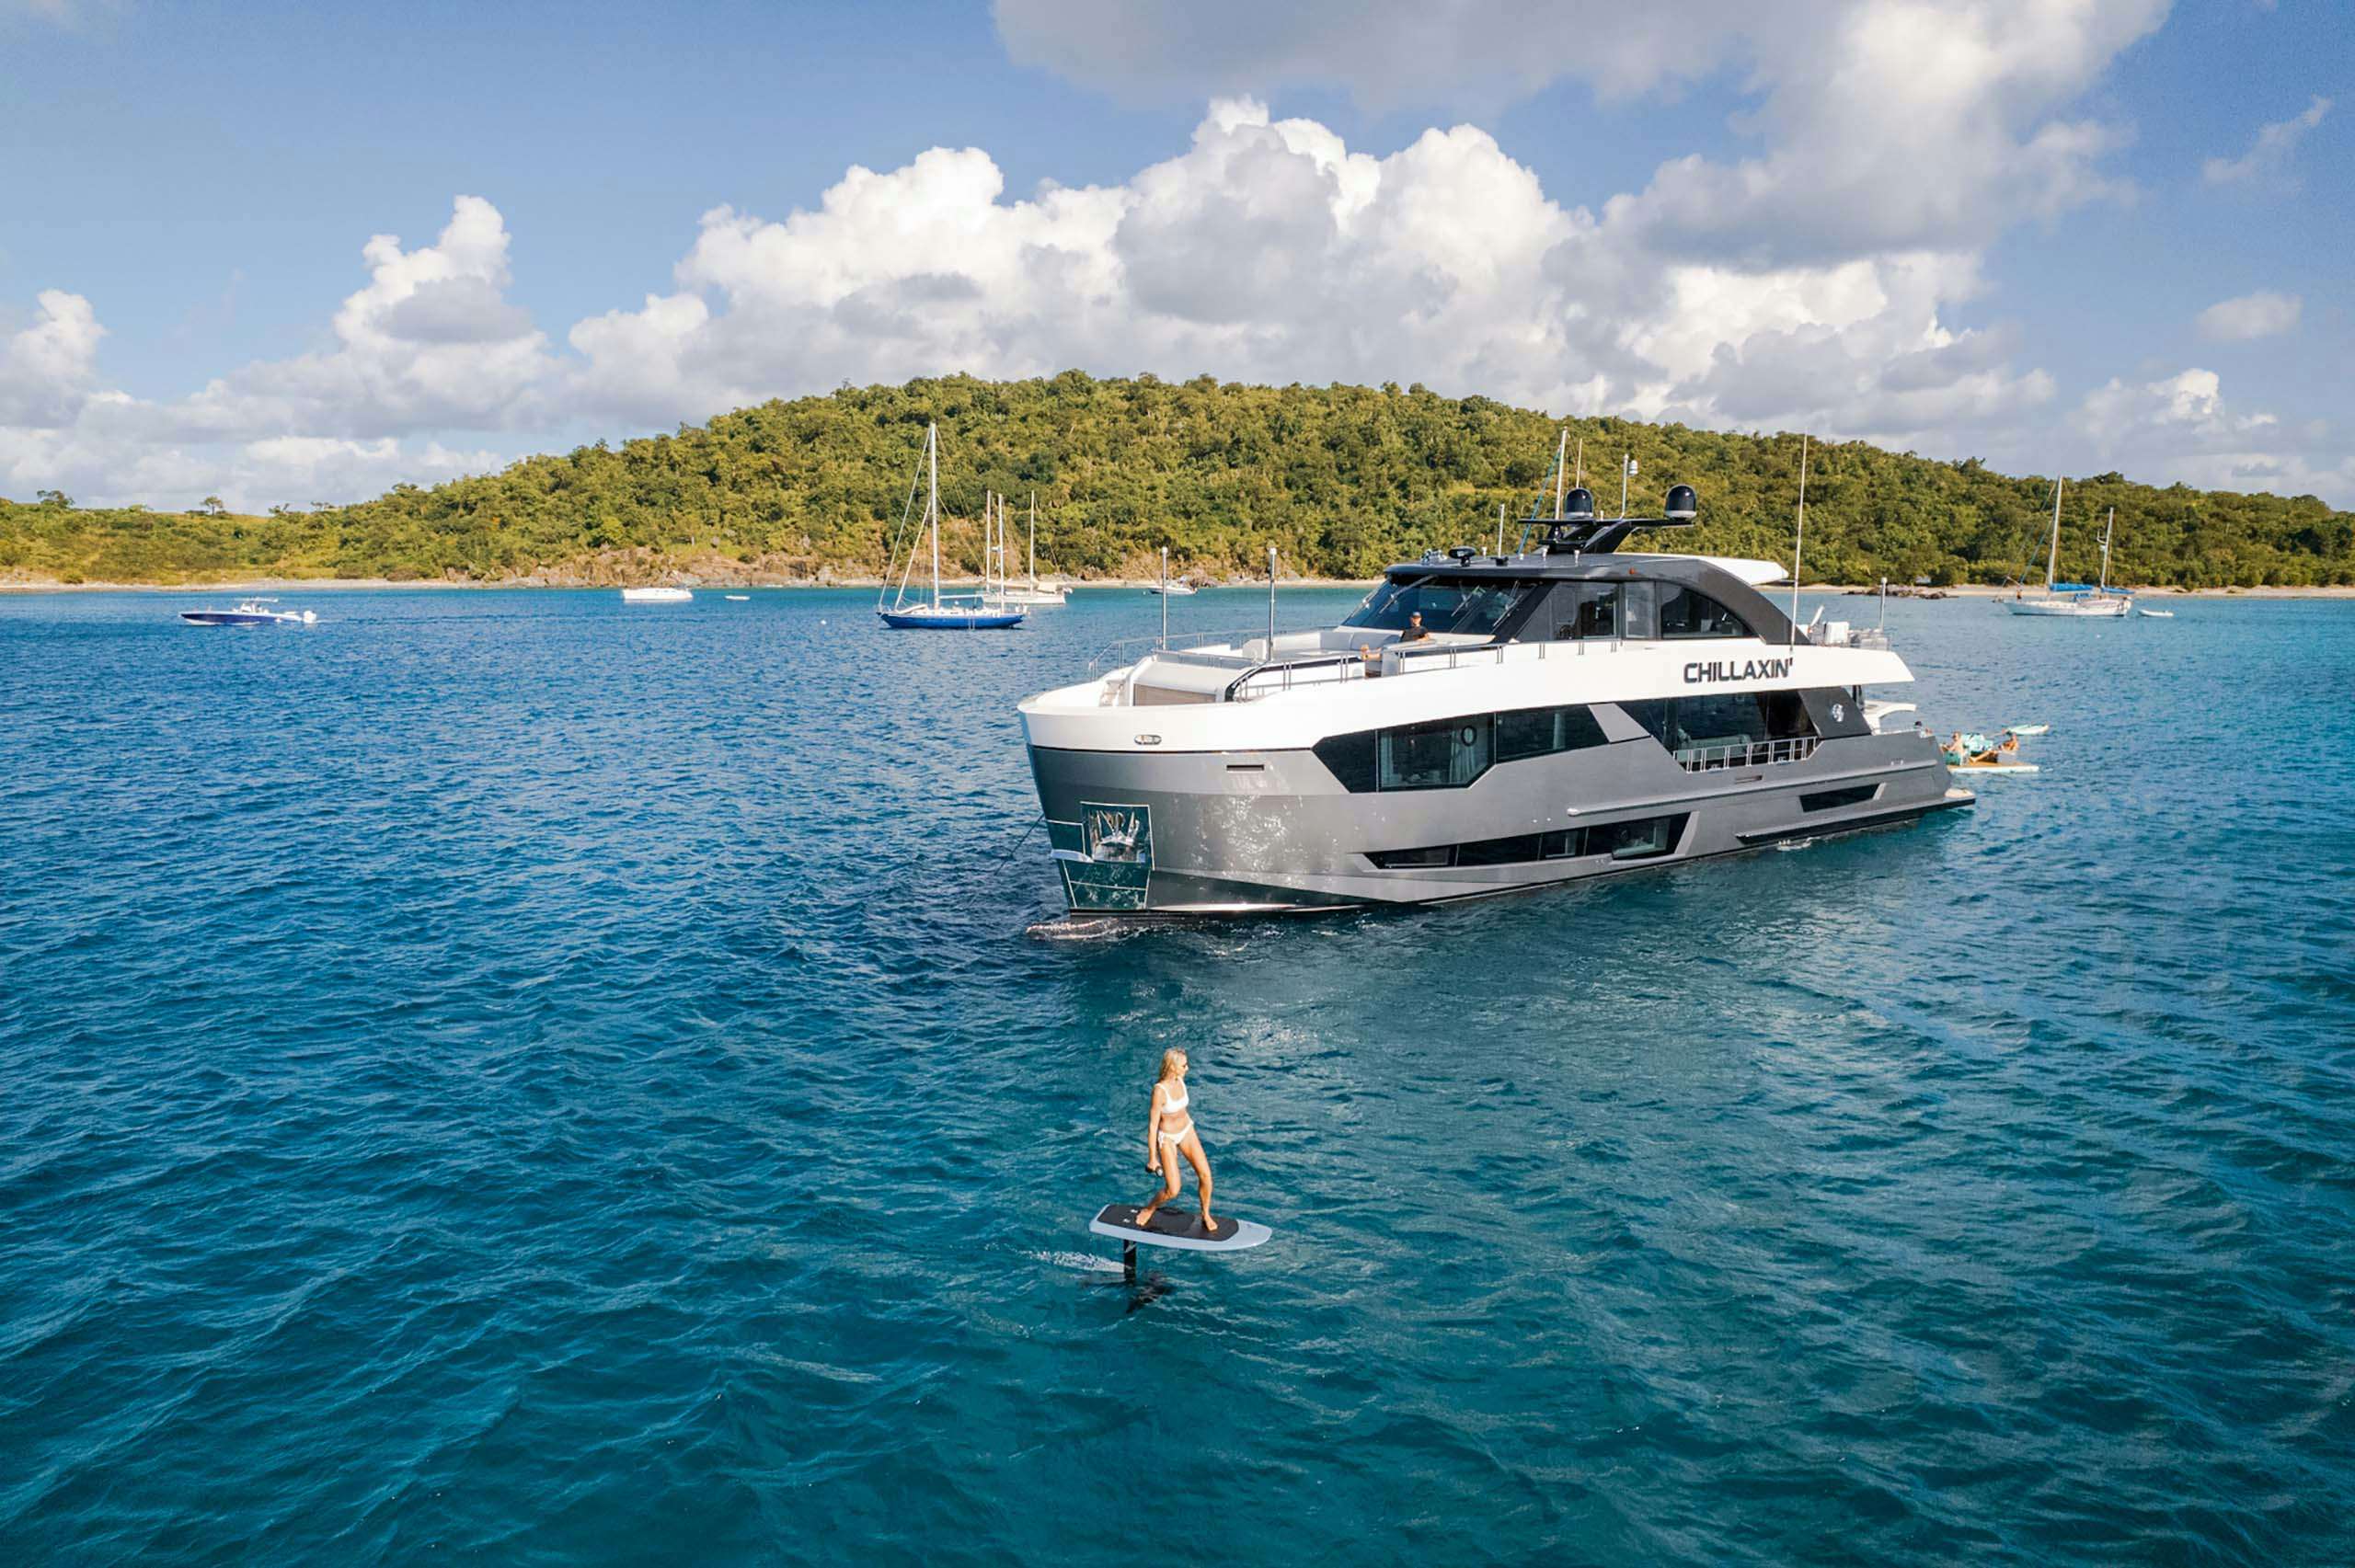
x,y
1684,505
1578,506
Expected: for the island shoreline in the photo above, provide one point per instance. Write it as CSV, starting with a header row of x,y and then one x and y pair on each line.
x,y
383,585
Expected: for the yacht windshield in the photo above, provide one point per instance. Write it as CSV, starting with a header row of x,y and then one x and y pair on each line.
x,y
1463,605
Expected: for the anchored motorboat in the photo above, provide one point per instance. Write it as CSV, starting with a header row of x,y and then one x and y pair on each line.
x,y
656,596
251,612
1482,724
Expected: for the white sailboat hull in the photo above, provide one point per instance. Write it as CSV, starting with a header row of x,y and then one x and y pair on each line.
x,y
2075,607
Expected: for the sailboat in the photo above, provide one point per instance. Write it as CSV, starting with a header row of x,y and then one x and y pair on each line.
x,y
941,611
2072,598
1034,594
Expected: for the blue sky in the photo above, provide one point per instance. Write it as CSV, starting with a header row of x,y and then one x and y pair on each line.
x,y
1965,226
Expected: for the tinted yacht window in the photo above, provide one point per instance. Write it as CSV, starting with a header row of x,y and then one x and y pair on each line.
x,y
1448,754
1446,605
1540,732
1586,611
1686,613
1718,721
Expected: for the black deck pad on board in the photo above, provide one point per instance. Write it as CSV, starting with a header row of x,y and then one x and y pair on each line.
x,y
1177,1228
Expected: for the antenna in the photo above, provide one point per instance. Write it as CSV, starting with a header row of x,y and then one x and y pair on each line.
x,y
1798,539
1500,528
1271,602
1164,596
1561,474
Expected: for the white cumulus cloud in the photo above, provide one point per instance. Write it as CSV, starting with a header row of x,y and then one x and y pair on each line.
x,y
2271,149
1818,281
47,368
2260,315
2183,428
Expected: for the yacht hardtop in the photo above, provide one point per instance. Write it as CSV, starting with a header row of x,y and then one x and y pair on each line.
x,y
1562,711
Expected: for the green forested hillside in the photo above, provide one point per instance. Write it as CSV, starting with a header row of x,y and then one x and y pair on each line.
x,y
1340,480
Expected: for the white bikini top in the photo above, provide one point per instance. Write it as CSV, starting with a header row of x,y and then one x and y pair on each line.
x,y
1169,1106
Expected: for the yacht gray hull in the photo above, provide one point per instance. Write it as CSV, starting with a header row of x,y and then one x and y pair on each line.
x,y
1268,831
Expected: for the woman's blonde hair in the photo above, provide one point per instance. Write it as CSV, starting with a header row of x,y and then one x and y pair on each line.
x,y
1169,1059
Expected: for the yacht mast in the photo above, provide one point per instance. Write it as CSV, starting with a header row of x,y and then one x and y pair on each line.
x,y
1034,540
2052,559
2107,529
932,503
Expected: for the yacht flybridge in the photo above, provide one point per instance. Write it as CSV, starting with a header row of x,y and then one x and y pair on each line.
x,y
1482,724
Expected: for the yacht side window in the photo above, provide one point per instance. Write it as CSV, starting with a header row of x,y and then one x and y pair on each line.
x,y
1448,754
1687,613
1586,609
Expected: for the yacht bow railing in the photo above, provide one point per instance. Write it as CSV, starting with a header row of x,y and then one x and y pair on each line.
x,y
1129,650
1263,680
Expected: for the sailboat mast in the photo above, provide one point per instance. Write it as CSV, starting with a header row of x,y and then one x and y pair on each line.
x,y
1034,540
2052,557
932,504
2107,529
1798,540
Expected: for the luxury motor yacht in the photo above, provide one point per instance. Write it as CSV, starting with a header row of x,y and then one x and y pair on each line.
x,y
1481,724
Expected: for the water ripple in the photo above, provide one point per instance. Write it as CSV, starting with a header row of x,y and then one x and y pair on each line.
x,y
498,1074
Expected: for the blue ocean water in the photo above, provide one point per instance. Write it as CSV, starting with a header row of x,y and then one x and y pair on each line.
x,y
501,1075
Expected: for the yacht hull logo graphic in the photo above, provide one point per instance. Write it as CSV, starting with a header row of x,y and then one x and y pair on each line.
x,y
1111,864
1701,672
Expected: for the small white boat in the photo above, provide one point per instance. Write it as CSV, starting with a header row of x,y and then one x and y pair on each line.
x,y
655,596
251,612
1170,590
2028,729
738,598
2155,614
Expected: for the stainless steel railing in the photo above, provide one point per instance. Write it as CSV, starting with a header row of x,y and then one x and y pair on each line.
x,y
1263,680
1128,650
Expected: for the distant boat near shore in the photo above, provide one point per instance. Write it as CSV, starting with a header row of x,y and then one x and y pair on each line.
x,y
251,612
2074,600
940,611
656,596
